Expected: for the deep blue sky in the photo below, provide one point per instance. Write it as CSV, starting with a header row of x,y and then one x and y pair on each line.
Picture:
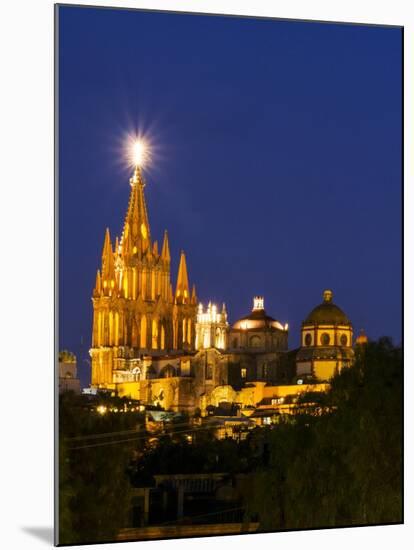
x,y
278,168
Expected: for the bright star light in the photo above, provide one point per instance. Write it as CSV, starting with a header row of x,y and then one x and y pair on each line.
x,y
139,153
137,149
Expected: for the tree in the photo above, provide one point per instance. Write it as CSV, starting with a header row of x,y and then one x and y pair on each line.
x,y
93,479
343,468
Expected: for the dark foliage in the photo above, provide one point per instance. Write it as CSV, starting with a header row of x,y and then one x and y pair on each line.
x,y
93,481
343,468
338,468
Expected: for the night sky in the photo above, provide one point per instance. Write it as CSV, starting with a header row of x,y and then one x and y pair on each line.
x,y
277,160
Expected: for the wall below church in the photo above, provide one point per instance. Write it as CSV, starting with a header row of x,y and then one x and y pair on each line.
x,y
174,393
256,392
325,370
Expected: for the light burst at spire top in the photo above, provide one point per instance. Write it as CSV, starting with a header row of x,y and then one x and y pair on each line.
x,y
137,149
140,154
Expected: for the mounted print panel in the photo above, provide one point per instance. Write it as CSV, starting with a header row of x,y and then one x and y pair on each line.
x,y
229,275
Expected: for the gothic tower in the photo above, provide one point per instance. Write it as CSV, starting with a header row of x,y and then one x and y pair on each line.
x,y
135,311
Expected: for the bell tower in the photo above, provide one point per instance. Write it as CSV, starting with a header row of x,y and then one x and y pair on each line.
x,y
135,312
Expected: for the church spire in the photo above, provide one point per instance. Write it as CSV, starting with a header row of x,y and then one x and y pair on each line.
x,y
98,288
136,226
108,264
193,295
165,252
183,288
107,256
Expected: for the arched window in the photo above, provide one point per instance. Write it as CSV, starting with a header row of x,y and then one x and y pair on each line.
x,y
169,371
255,341
134,336
116,329
308,339
143,340
154,334
162,336
184,331
106,330
325,339
189,331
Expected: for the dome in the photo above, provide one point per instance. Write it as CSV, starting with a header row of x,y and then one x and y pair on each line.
x,y
327,313
258,319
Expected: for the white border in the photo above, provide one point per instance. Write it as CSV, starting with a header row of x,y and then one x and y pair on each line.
x,y
26,280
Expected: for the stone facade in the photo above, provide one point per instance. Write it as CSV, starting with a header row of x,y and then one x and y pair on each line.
x,y
135,309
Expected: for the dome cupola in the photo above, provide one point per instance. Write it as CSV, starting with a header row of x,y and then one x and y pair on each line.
x,y
327,313
326,341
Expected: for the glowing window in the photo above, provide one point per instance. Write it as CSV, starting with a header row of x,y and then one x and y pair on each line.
x,y
243,373
277,400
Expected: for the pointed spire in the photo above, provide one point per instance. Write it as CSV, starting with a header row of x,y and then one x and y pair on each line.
x,y
107,243
155,249
193,295
165,252
108,266
136,226
182,292
98,287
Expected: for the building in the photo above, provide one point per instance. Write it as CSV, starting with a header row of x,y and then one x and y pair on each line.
x,y
257,332
211,328
135,311
183,505
326,341
164,349
68,372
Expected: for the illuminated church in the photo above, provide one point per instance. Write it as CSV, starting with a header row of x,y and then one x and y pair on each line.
x,y
159,345
136,311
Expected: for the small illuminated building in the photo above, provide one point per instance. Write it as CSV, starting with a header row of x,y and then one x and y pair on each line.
x,y
68,372
326,341
211,327
258,332
362,338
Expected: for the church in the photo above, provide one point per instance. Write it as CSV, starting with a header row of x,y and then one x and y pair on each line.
x,y
155,342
